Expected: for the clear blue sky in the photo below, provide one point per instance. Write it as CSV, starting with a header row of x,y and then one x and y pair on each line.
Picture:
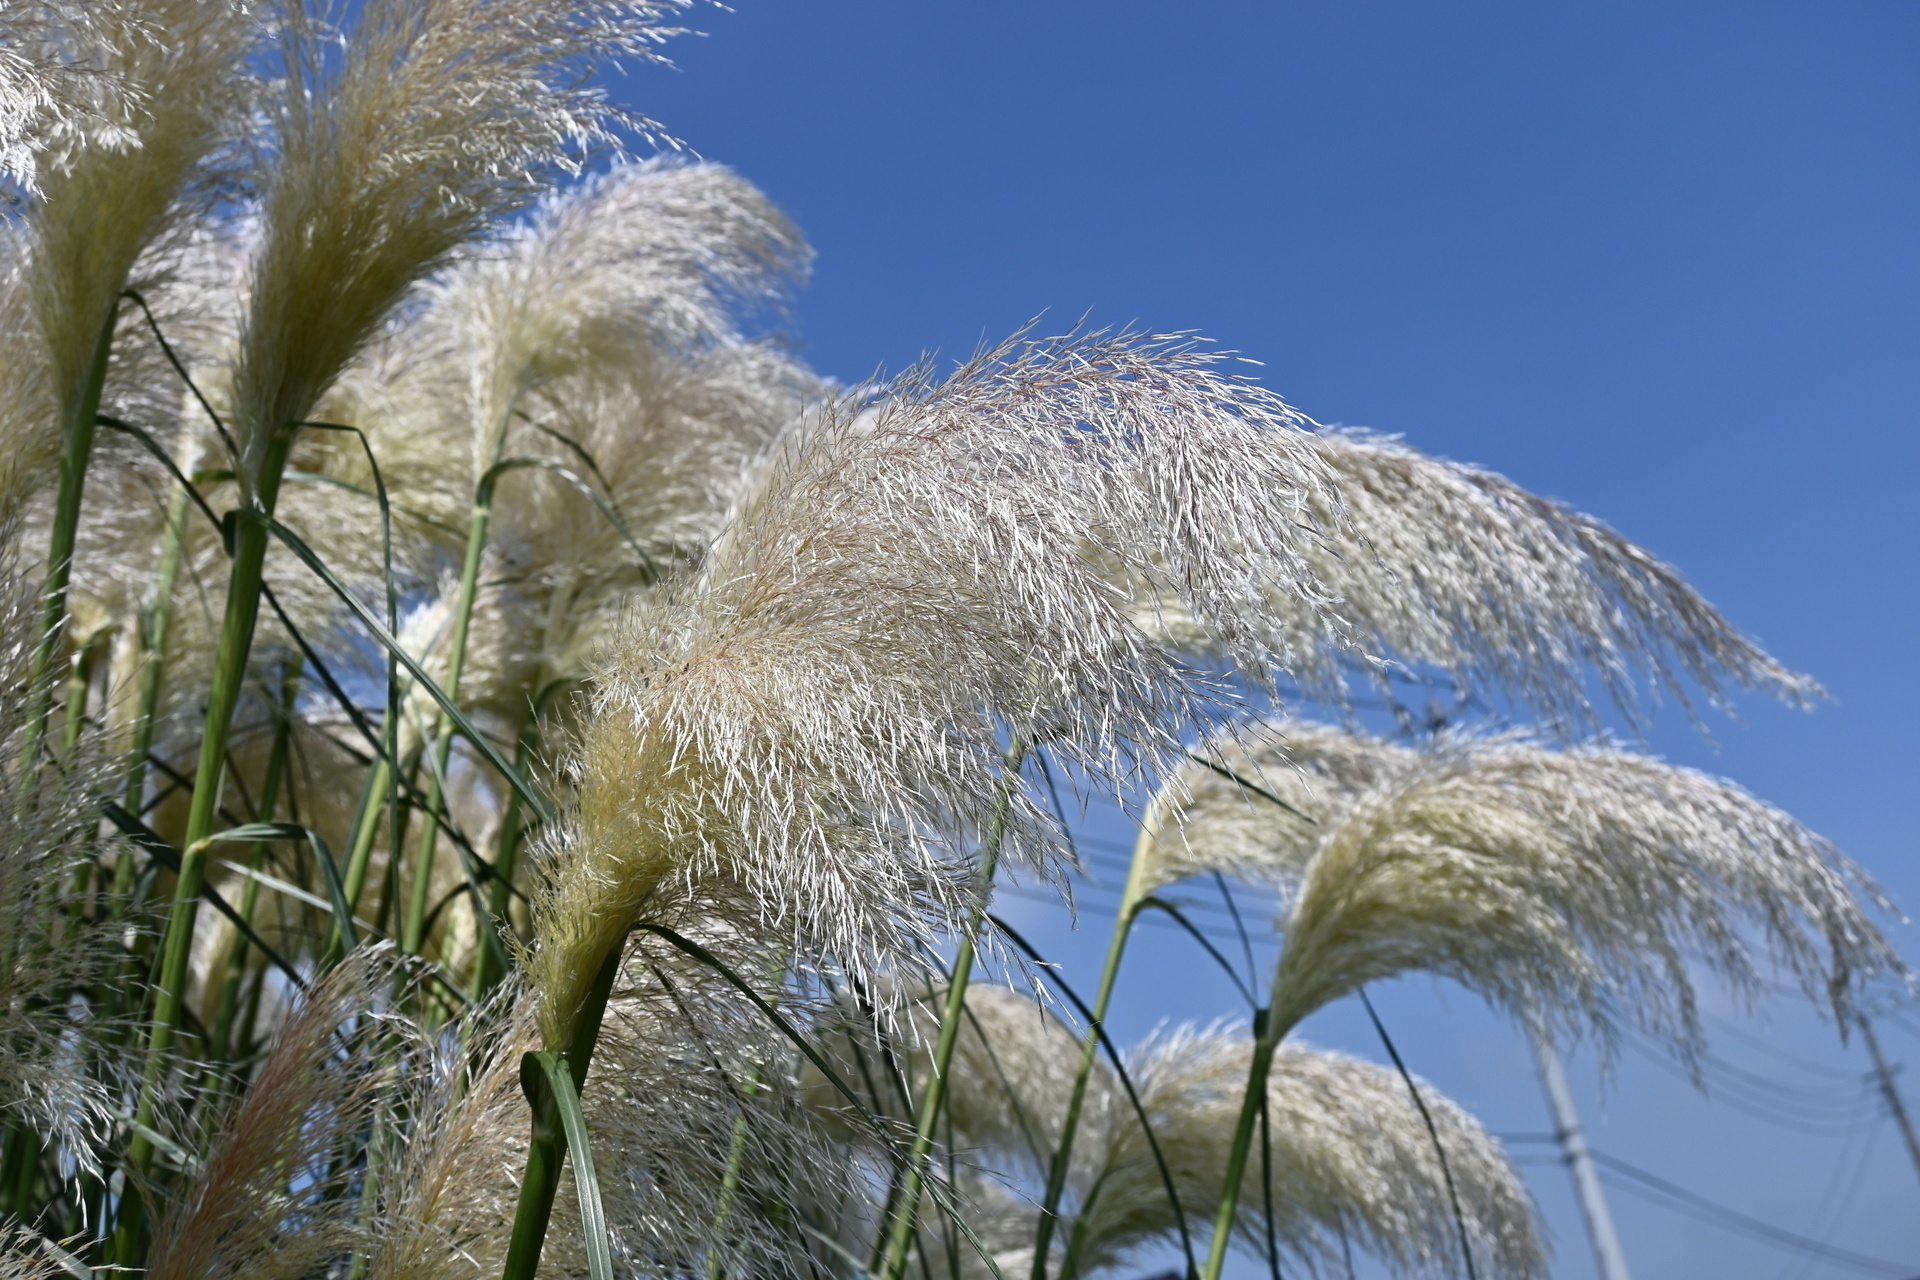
x,y
1657,260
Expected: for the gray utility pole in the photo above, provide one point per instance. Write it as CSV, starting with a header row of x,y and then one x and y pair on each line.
x,y
1607,1253
1894,1102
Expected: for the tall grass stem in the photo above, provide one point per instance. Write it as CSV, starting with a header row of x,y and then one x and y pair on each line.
x,y
60,542
411,936
906,1217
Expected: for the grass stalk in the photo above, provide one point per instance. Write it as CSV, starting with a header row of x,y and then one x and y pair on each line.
x,y
411,937
906,1217
235,967
60,541
1267,1035
1130,900
487,970
548,1147
223,698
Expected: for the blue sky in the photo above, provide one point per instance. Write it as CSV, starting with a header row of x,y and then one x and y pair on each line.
x,y
1657,260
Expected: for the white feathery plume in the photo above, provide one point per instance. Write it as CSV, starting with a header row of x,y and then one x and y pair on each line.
x,y
448,1204
649,256
601,337
275,1196
1350,1153
1571,888
697,1114
817,718
430,121
48,92
46,950
1510,593
116,190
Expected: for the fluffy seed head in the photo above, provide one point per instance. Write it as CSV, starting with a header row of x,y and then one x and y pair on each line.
x,y
1349,1152
1509,593
115,190
430,121
1572,888
818,717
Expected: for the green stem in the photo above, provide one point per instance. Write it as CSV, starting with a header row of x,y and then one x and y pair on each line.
x,y
236,965
410,937
366,828
906,1217
1267,1036
85,416
1130,899
487,970
153,645
548,1147
730,1182
223,698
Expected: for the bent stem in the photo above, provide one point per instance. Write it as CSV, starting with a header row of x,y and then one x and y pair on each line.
x,y
900,1241
60,539
547,1147
1130,899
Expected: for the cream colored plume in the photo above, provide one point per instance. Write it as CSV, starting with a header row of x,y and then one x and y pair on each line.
x,y
1572,888
391,148
117,188
1350,1154
49,950
603,338
1450,566
649,258
819,717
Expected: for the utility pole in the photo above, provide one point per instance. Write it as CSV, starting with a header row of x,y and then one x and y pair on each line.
x,y
1895,1103
1578,1157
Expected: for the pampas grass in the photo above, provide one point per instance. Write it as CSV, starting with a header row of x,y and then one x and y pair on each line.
x,y
48,949
1571,888
273,1198
816,717
790,661
1350,1155
1509,594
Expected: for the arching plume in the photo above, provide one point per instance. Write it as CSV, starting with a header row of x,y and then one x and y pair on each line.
x,y
1571,888
117,187
1350,1154
816,719
1511,594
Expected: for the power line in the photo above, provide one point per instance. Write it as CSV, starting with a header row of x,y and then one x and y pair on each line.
x,y
1648,1186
